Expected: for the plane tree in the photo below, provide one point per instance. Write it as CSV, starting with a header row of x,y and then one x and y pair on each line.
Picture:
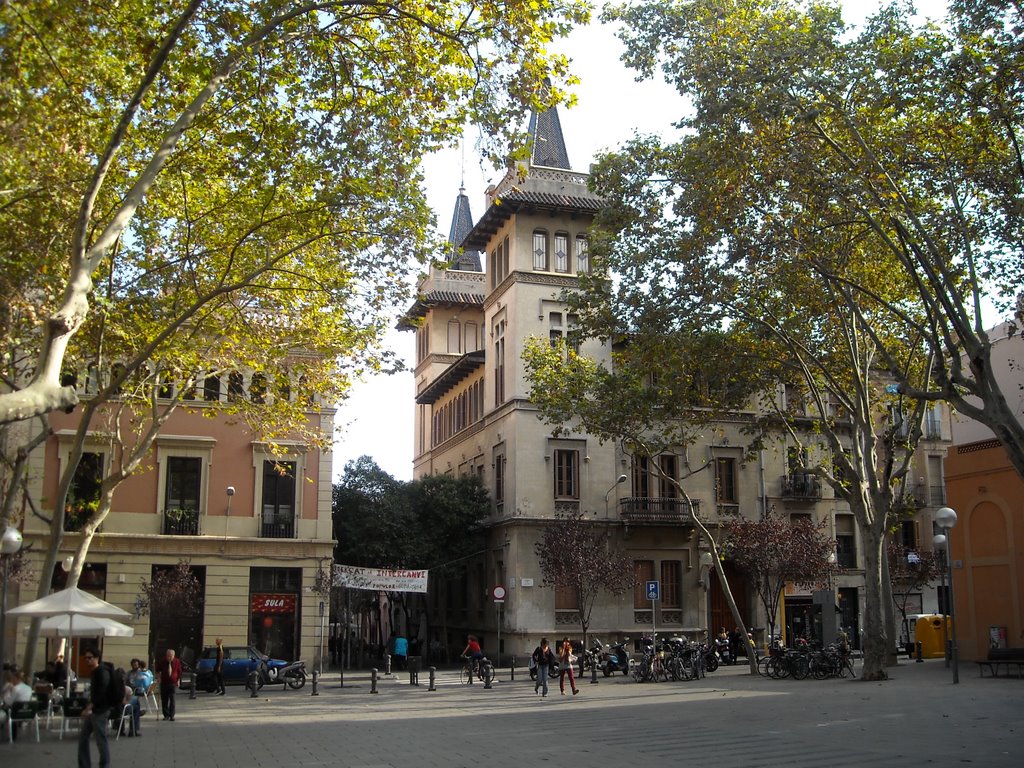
x,y
734,234
901,135
190,192
138,131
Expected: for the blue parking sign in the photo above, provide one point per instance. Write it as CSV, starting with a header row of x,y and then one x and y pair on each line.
x,y
653,590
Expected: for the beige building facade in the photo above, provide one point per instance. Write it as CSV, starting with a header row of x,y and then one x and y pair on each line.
x,y
473,415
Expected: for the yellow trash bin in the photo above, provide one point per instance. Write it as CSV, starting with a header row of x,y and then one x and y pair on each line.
x,y
929,635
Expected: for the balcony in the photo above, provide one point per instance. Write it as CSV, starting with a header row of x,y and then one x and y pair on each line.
x,y
930,495
801,486
180,522
644,510
272,528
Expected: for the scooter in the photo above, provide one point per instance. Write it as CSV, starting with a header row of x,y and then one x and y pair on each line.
x,y
292,675
615,658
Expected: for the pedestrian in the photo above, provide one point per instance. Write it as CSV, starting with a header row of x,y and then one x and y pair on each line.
x,y
97,711
218,668
401,651
565,662
168,672
542,659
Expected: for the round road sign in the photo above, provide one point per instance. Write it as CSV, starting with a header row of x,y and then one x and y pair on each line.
x,y
498,593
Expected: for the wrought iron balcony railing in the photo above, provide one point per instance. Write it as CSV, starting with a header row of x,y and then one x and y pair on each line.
x,y
180,522
801,485
652,509
277,529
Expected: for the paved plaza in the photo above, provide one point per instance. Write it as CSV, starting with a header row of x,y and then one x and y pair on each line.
x,y
917,718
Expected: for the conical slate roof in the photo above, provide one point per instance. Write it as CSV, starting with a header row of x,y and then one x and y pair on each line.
x,y
462,225
548,144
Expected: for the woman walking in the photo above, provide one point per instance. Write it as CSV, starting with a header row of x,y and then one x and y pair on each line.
x,y
543,658
565,659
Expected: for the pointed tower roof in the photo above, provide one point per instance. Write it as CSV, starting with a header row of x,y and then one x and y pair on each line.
x,y
462,225
548,144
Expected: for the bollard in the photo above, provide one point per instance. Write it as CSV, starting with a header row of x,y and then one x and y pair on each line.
x,y
433,673
316,676
487,681
593,672
920,653
387,664
253,677
373,680
512,670
192,688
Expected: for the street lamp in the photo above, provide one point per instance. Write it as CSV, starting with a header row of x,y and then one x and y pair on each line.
x,y
10,544
620,481
945,518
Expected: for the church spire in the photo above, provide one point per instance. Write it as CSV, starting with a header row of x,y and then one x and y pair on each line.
x,y
462,224
548,144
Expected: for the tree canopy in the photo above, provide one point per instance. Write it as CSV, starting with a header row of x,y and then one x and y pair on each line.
x,y
381,522
576,555
886,161
240,166
772,551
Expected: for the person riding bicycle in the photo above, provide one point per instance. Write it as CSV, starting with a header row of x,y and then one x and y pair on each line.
x,y
473,652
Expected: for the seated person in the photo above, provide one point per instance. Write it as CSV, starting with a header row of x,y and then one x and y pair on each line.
x,y
15,690
131,699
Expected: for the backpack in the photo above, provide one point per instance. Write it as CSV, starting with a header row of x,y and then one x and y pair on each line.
x,y
116,683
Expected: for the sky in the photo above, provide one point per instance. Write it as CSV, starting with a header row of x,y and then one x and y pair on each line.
x,y
377,418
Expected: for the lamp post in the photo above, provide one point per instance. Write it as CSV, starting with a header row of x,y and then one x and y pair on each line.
x,y
621,479
10,544
945,518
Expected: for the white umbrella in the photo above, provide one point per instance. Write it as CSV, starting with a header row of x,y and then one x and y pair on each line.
x,y
70,603
84,626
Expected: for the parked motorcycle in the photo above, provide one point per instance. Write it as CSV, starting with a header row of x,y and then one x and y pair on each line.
x,y
292,675
712,654
615,658
552,669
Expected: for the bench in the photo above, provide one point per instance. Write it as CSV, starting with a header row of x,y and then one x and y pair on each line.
x,y
1007,658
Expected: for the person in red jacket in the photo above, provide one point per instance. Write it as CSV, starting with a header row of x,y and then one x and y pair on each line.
x,y
168,672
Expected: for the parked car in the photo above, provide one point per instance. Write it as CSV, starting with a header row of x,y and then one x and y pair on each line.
x,y
239,661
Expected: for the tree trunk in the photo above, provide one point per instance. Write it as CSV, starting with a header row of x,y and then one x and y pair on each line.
x,y
889,611
876,639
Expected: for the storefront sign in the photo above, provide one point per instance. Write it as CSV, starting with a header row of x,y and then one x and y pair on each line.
x,y
380,579
264,603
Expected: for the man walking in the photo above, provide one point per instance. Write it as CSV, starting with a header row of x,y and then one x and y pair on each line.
x,y
168,672
218,668
96,712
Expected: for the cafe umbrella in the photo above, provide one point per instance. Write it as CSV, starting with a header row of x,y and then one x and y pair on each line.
x,y
73,604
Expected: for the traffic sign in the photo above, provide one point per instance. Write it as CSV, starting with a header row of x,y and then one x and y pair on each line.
x,y
498,593
653,590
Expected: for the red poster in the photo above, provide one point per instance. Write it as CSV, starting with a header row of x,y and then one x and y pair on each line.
x,y
264,603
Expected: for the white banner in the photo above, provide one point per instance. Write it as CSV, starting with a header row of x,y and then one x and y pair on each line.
x,y
393,580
